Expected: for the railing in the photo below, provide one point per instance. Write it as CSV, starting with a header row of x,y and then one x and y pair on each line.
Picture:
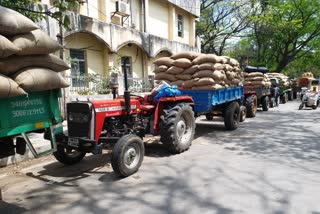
x,y
96,84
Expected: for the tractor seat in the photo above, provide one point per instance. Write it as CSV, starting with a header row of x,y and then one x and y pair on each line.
x,y
147,107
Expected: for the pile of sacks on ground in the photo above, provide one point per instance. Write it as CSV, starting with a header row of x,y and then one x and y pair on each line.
x,y
191,70
26,60
283,79
256,79
308,75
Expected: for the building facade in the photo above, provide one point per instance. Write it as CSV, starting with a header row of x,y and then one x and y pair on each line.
x,y
107,36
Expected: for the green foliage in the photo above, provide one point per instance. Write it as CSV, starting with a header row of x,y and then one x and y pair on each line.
x,y
34,10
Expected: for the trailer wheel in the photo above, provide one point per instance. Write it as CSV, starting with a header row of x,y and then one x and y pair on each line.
x,y
290,95
127,155
251,105
177,128
209,116
243,113
265,103
68,156
232,116
284,98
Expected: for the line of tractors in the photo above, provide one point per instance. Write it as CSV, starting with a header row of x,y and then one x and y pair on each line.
x,y
123,121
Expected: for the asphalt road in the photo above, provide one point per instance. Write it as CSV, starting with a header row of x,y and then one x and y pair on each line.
x,y
271,164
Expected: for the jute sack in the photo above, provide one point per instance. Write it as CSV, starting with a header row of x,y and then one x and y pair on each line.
x,y
257,78
182,62
39,79
165,76
193,69
204,81
7,48
218,75
12,64
255,74
233,62
258,83
161,68
12,22
203,58
179,83
9,88
187,54
174,70
204,73
206,66
35,42
184,76
228,67
218,66
188,84
164,61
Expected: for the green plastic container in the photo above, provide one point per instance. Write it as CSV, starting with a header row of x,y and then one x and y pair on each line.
x,y
39,110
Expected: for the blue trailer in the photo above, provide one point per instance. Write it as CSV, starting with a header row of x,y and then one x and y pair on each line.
x,y
222,102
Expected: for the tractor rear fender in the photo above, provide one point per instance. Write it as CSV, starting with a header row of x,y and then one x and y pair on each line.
x,y
163,102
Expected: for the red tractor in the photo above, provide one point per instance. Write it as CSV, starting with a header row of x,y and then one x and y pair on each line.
x,y
124,121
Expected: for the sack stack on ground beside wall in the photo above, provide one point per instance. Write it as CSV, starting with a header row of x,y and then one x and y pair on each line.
x,y
283,79
27,62
191,70
256,79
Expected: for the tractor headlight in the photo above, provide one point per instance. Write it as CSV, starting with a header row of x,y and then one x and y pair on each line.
x,y
78,117
71,117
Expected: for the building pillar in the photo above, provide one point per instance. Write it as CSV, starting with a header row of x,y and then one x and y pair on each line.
x,y
192,31
172,22
146,16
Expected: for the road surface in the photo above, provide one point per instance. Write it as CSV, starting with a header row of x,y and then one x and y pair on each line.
x,y
271,164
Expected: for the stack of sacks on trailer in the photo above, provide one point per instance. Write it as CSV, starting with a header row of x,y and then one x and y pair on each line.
x,y
191,70
256,79
283,79
307,75
26,60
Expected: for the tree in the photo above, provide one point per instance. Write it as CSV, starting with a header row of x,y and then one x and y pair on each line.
x,y
220,22
34,10
286,30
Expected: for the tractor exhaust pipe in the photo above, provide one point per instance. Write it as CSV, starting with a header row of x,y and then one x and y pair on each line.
x,y
126,91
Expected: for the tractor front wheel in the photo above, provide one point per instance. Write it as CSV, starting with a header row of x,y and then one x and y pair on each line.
x,y
178,127
127,155
243,113
251,105
265,103
232,116
68,156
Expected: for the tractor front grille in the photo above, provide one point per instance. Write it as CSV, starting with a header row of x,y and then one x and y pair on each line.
x,y
79,119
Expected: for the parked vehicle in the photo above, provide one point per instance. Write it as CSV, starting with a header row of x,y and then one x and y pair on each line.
x,y
125,120
257,96
309,99
286,92
39,112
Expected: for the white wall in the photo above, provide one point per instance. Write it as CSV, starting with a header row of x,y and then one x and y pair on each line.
x,y
158,18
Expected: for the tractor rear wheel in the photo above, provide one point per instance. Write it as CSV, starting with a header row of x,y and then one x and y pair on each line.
x,y
265,103
243,113
127,155
178,127
251,105
68,156
232,116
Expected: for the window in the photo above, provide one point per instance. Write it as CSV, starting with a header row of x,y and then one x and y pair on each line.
x,y
180,25
78,67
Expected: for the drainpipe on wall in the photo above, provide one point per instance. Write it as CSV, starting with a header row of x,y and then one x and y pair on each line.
x,y
144,16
